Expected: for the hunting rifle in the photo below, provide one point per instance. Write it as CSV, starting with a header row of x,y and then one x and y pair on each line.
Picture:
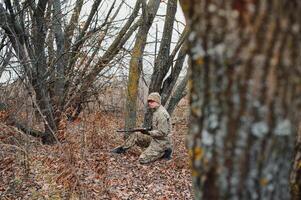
x,y
142,130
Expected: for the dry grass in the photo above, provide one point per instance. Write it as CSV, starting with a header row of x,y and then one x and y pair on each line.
x,y
82,167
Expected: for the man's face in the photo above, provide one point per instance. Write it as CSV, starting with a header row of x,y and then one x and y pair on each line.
x,y
152,104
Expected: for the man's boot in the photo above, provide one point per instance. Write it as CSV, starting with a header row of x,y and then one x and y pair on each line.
x,y
167,154
119,150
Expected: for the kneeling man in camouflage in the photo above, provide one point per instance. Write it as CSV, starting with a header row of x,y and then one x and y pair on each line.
x,y
157,141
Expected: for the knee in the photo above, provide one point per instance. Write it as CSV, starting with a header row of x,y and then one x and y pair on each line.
x,y
143,159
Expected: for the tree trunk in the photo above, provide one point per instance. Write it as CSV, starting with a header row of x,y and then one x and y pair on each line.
x,y
61,58
164,61
136,63
179,93
295,179
39,82
242,91
161,63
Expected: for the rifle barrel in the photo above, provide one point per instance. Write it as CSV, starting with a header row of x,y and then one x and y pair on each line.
x,y
132,130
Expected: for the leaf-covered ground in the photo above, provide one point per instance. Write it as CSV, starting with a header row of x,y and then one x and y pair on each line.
x,y
82,167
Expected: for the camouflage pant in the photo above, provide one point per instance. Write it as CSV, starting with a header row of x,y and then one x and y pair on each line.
x,y
154,149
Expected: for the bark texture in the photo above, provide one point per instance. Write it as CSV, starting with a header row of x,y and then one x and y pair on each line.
x,y
243,84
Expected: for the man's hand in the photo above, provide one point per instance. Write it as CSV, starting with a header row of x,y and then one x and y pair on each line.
x,y
144,132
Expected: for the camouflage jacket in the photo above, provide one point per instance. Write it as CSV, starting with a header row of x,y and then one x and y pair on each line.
x,y
161,128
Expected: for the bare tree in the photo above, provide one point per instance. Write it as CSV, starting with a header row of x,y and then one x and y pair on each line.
x,y
6,54
165,61
161,81
148,15
62,60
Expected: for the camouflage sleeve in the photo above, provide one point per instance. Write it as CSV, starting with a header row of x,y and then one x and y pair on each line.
x,y
162,130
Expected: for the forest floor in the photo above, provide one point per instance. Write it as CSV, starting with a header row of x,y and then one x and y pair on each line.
x,y
82,167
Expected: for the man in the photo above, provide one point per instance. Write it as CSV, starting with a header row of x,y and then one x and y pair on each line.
x,y
158,142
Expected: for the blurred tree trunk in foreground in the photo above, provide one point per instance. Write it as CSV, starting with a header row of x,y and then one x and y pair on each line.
x,y
245,101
